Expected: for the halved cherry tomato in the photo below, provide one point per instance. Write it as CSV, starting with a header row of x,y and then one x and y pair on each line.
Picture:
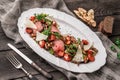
x,y
60,53
32,18
91,57
52,37
85,42
42,43
67,57
29,30
90,51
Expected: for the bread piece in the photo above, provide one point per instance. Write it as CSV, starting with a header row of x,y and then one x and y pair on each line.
x,y
108,24
100,26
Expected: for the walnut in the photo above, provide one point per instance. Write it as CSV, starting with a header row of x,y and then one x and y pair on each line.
x,y
88,17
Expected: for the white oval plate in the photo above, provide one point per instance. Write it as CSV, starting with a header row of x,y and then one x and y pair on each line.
x,y
68,25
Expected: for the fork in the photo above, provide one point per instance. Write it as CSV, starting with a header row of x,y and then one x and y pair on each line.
x,y
18,65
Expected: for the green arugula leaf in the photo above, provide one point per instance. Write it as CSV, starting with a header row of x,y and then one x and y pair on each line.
x,y
79,40
118,55
51,51
112,48
40,16
57,35
47,31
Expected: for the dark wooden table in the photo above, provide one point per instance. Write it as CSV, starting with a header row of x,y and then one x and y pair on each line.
x,y
102,8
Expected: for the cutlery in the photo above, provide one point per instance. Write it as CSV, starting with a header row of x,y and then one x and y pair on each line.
x,y
18,65
47,75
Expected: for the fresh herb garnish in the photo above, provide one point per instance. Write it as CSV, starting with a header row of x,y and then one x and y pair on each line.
x,y
47,31
112,48
118,55
57,35
78,40
117,41
72,48
51,51
40,16
48,22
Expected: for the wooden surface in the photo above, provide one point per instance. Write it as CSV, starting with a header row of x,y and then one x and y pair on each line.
x,y
102,8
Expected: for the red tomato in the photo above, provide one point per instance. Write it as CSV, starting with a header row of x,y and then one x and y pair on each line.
x,y
42,43
32,18
90,51
29,30
52,37
60,53
85,42
91,57
67,57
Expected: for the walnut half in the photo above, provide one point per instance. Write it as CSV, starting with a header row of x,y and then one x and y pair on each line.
x,y
87,16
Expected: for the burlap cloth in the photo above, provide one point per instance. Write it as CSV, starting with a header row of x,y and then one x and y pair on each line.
x,y
10,10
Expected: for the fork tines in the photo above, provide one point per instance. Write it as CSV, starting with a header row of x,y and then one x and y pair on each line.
x,y
12,59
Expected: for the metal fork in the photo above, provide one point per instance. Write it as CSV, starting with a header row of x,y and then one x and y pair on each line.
x,y
18,65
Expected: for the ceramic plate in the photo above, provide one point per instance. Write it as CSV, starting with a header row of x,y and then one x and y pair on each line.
x,y
68,25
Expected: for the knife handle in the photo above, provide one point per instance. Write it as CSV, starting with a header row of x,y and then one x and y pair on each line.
x,y
46,74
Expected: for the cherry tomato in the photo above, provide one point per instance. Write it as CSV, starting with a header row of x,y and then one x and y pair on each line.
x,y
90,51
85,42
52,37
67,57
91,57
60,53
32,18
29,30
42,43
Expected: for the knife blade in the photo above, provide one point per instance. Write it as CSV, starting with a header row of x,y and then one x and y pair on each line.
x,y
30,61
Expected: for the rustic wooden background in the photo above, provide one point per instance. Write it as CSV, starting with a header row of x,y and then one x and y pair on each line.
x,y
102,8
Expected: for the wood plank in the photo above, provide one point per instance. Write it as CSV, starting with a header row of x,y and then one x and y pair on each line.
x,y
56,76
9,72
102,9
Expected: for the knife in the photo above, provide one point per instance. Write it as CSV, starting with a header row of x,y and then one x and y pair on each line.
x,y
30,61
